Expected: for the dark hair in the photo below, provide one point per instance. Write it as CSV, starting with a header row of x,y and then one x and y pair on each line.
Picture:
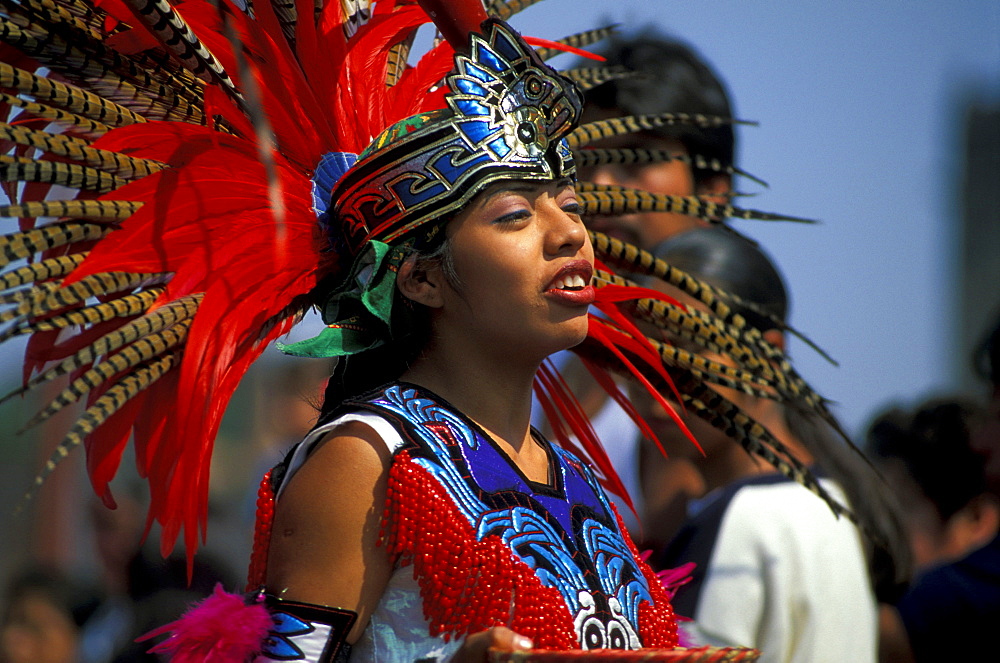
x,y
932,442
410,332
730,261
672,78
727,260
987,356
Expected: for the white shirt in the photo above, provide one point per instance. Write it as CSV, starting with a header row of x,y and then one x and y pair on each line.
x,y
788,578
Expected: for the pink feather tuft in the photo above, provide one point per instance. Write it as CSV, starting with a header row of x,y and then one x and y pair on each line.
x,y
222,627
672,580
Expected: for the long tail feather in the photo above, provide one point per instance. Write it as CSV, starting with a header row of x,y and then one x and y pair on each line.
x,y
41,271
121,307
601,129
112,401
638,261
593,157
79,150
130,356
607,199
173,313
590,77
16,246
505,9
70,99
95,210
578,40
174,33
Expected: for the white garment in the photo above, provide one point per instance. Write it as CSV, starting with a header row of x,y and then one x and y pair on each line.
x,y
788,578
397,629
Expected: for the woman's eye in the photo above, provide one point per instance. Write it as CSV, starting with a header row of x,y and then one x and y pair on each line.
x,y
572,207
512,217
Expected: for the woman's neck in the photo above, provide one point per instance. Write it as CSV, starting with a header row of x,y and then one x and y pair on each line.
x,y
495,394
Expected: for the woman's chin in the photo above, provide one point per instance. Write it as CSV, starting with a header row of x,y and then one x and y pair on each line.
x,y
574,333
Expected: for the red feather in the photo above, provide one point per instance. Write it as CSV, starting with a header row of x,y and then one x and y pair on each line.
x,y
208,221
566,48
566,405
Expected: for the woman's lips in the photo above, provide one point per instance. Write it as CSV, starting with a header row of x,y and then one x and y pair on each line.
x,y
583,297
571,284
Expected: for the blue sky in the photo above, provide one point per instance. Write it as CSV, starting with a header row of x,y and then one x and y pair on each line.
x,y
859,105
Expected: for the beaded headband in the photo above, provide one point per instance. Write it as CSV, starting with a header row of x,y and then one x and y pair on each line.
x,y
508,113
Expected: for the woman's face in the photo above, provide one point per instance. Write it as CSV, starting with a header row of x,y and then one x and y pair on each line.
x,y
524,261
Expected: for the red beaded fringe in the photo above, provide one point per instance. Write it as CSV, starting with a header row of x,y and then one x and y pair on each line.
x,y
657,622
469,585
466,585
257,574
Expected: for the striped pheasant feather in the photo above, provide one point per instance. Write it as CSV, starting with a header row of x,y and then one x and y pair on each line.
x,y
41,271
590,77
144,349
591,132
18,245
77,124
94,210
764,364
175,312
594,157
633,259
505,9
121,307
77,149
613,200
56,95
578,40
175,33
104,407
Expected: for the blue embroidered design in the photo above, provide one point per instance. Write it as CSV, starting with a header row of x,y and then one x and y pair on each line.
x,y
566,533
539,546
278,644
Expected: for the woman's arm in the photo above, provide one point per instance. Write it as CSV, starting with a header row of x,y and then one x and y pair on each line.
x,y
324,542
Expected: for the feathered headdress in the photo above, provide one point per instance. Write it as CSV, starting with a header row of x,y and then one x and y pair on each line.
x,y
167,163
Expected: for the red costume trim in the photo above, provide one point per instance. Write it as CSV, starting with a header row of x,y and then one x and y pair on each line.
x,y
657,622
468,586
257,575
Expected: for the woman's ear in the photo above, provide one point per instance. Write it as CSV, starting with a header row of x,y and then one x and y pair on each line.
x,y
420,282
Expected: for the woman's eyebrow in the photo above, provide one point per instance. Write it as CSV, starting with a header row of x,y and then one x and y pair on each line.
x,y
514,186
524,187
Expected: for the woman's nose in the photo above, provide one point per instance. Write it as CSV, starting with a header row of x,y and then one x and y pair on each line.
x,y
565,232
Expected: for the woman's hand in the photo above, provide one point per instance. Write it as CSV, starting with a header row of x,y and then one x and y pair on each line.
x,y
475,647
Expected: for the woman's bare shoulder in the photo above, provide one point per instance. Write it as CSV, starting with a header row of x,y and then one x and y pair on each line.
x,y
346,460
324,541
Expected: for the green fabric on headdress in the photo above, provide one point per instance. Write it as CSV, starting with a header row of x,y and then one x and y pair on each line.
x,y
358,314
403,128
